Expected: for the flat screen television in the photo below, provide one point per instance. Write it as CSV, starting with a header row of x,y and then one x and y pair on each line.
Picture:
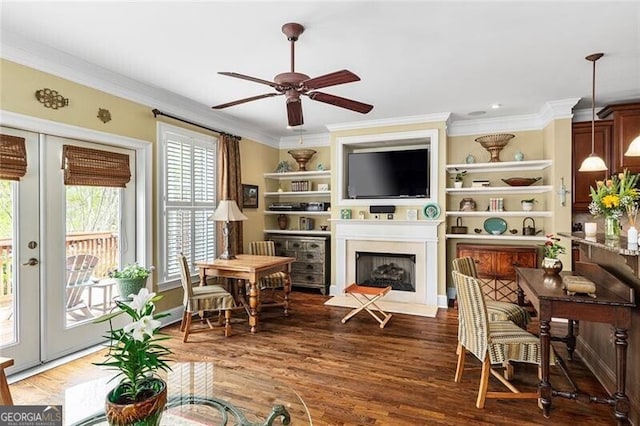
x,y
388,174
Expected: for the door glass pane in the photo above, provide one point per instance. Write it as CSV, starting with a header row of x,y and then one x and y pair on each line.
x,y
7,278
92,250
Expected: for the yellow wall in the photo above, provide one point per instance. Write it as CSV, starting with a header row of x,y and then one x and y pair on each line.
x,y
130,119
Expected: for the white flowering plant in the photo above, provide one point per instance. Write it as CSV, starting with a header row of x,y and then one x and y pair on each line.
x,y
134,349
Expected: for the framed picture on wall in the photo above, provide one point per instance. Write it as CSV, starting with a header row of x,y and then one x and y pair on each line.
x,y
250,196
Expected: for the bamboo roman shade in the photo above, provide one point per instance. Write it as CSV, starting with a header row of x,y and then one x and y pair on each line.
x,y
13,157
93,167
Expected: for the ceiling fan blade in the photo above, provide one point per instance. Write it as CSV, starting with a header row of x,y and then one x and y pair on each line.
x,y
248,77
294,112
241,101
332,79
341,102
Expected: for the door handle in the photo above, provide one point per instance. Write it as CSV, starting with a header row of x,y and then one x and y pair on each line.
x,y
31,262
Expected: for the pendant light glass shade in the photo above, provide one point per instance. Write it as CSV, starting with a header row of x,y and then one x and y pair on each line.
x,y
634,148
593,163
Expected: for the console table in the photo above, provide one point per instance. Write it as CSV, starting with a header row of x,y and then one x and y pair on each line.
x,y
613,304
200,393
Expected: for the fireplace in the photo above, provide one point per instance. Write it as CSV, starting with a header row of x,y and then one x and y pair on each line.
x,y
391,240
386,269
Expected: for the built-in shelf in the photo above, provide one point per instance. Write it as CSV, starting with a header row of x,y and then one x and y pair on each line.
x,y
299,175
495,237
518,213
299,212
502,166
298,193
535,189
296,232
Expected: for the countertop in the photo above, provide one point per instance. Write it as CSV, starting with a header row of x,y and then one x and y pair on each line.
x,y
619,245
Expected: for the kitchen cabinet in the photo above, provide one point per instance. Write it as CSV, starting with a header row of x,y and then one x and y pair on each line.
x,y
581,148
626,127
495,264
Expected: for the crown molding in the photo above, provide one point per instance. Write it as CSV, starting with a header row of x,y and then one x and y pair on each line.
x,y
397,121
52,61
551,110
311,140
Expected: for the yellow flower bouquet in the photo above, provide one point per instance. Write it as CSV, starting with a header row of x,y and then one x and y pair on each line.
x,y
615,196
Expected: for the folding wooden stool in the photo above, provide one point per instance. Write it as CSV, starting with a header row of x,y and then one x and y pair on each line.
x,y
367,296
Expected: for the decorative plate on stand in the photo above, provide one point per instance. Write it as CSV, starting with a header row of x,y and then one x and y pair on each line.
x,y
431,211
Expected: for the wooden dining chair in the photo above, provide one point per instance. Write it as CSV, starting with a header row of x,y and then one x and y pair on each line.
x,y
272,282
198,300
5,392
492,342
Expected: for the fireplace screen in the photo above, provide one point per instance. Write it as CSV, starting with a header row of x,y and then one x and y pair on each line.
x,y
386,269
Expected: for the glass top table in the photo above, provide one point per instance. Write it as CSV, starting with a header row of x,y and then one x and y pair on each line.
x,y
200,393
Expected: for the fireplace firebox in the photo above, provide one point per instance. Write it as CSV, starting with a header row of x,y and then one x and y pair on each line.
x,y
386,269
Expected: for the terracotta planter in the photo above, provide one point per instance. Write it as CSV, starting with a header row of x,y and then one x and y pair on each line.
x,y
147,412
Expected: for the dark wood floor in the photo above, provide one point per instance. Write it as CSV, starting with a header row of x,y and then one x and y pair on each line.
x,y
356,373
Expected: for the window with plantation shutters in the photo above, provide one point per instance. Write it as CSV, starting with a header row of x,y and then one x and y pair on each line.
x,y
13,157
188,178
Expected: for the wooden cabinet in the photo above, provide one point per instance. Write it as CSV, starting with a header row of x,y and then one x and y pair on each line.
x,y
581,148
626,126
495,265
311,268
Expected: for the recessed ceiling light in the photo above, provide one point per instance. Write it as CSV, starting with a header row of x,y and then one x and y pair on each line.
x,y
495,106
477,112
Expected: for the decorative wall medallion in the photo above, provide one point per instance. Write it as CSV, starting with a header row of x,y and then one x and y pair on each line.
x,y
51,98
104,115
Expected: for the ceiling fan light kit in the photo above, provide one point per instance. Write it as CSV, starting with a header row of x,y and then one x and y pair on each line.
x,y
292,84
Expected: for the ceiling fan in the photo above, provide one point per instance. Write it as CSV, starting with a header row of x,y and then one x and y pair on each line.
x,y
293,84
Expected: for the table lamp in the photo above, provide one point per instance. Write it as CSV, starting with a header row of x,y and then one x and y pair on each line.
x,y
227,212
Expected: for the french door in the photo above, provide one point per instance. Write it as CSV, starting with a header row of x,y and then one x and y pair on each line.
x,y
50,307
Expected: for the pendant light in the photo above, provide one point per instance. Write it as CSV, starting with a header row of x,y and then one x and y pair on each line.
x,y
593,163
634,148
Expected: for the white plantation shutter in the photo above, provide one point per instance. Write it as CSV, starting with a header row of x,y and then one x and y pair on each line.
x,y
189,165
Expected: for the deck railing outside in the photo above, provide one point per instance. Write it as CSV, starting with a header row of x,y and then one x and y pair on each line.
x,y
104,245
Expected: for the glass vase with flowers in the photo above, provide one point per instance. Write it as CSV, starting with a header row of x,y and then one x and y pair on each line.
x,y
612,199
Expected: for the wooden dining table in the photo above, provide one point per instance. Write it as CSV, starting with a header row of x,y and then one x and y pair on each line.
x,y
251,268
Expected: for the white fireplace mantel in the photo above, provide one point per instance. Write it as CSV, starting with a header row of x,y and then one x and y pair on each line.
x,y
419,237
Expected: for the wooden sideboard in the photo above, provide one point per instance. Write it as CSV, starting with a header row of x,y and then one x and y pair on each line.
x,y
495,265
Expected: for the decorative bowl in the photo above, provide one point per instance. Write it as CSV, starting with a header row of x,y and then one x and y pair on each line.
x,y
494,144
302,157
520,181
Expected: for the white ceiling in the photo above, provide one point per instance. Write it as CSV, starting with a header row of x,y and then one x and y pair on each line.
x,y
413,57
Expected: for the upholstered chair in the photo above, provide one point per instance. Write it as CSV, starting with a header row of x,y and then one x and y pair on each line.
x,y
273,281
492,342
497,311
201,299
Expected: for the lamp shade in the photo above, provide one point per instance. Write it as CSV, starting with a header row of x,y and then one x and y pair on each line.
x,y
634,148
227,211
592,163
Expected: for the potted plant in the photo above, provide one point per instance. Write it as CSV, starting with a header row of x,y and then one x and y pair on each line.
x,y
134,351
551,264
458,178
131,279
527,205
